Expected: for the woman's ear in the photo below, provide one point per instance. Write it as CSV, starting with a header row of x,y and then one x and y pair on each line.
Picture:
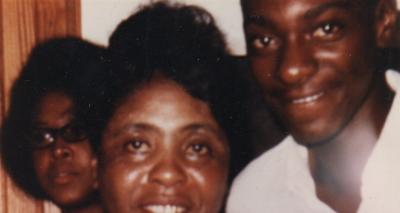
x,y
385,23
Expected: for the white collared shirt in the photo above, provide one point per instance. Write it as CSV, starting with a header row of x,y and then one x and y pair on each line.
x,y
280,180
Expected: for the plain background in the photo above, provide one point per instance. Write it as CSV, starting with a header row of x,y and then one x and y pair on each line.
x,y
100,17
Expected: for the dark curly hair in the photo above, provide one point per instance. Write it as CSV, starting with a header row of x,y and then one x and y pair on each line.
x,y
183,44
55,65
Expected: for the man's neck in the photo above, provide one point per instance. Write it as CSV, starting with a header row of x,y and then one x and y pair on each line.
x,y
337,166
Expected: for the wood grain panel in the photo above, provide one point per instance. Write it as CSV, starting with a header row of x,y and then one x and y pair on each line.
x,y
23,24
73,8
2,177
57,18
17,39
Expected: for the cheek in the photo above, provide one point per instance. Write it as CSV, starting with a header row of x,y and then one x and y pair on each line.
x,y
84,157
209,179
85,160
264,69
211,182
41,162
350,65
120,182
355,54
114,179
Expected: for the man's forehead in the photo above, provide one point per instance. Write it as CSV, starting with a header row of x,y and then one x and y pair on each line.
x,y
360,4
307,9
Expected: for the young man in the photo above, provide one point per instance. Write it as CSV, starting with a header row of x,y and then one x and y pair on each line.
x,y
320,64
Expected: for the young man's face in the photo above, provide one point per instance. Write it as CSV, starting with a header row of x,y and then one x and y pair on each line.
x,y
314,60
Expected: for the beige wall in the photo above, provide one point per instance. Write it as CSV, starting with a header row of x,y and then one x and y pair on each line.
x,y
100,17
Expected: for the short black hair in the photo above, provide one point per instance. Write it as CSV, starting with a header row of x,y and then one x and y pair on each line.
x,y
183,44
54,65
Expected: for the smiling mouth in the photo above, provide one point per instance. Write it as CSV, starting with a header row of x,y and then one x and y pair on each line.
x,y
308,99
165,208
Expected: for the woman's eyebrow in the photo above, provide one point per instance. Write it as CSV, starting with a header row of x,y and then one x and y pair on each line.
x,y
318,10
43,123
202,126
135,127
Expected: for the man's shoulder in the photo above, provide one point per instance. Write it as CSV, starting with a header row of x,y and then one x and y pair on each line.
x,y
393,80
260,179
268,162
258,172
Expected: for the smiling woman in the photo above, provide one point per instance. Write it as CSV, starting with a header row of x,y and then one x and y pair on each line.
x,y
163,149
166,124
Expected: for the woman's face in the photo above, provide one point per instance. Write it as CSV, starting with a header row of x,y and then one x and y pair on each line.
x,y
163,152
66,170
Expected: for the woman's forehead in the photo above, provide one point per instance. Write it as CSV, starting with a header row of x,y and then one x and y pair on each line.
x,y
162,103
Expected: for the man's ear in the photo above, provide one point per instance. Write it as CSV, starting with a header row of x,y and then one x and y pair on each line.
x,y
385,23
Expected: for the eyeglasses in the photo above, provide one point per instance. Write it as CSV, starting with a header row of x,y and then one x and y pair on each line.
x,y
43,137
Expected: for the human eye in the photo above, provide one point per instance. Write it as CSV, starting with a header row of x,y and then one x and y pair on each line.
x,y
137,146
197,150
74,133
262,42
41,138
329,31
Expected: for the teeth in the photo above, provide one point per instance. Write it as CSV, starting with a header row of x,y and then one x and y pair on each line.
x,y
165,209
308,99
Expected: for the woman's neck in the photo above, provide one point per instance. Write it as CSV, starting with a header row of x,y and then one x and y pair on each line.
x,y
95,208
92,207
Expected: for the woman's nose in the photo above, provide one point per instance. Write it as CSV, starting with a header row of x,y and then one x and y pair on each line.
x,y
61,149
168,173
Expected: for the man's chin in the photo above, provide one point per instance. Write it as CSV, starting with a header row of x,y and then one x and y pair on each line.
x,y
311,143
312,139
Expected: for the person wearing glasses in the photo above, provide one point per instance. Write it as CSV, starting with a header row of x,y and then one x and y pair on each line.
x,y
45,147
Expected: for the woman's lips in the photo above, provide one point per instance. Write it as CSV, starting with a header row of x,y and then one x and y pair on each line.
x,y
169,208
61,178
308,98
167,204
62,174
